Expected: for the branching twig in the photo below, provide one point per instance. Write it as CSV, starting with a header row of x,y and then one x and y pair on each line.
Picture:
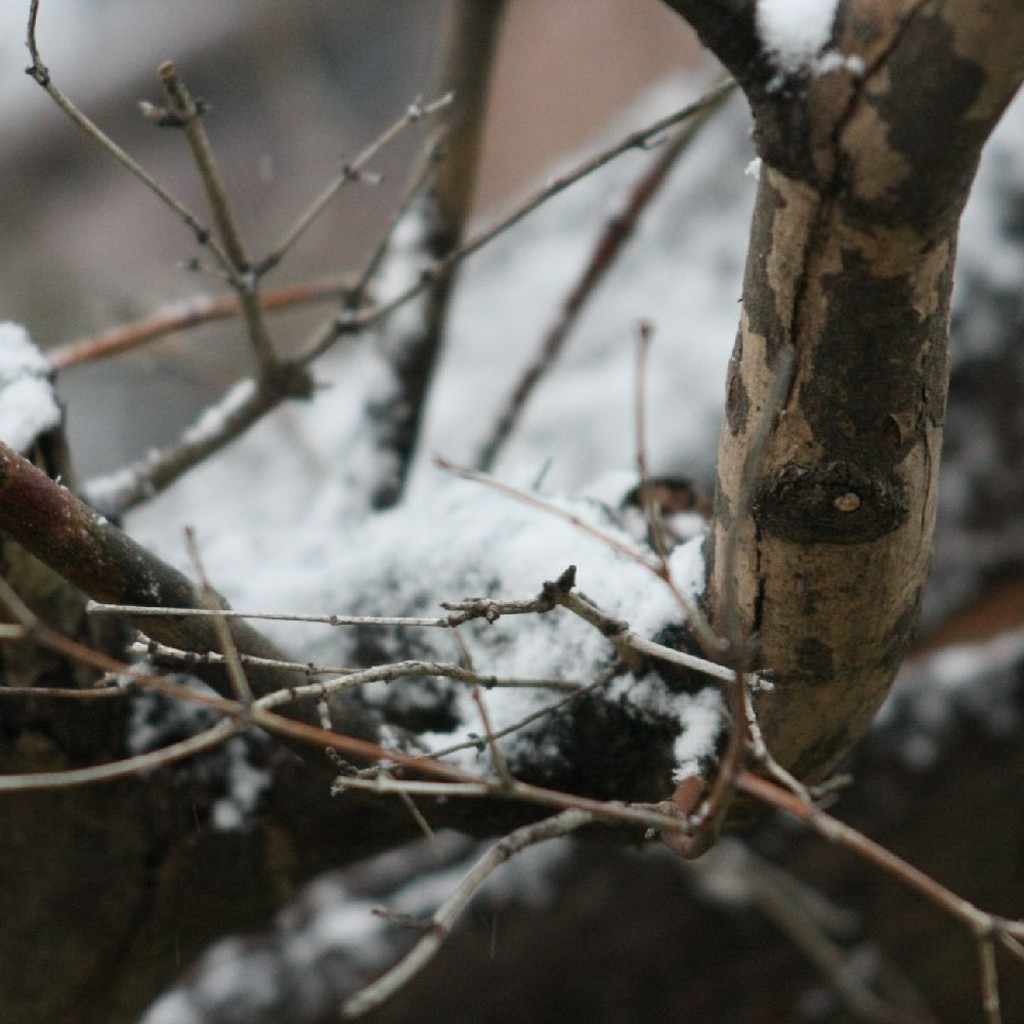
x,y
187,114
984,926
443,920
351,170
699,623
349,323
40,73
189,659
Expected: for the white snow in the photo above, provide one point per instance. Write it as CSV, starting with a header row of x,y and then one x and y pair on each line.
x,y
28,406
793,32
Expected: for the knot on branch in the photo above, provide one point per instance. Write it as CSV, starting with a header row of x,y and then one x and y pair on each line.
x,y
563,585
839,503
39,73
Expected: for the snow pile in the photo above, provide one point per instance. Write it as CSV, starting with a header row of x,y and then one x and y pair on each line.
x,y
289,530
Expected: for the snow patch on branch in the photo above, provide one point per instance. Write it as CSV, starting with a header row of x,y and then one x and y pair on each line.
x,y
793,32
28,406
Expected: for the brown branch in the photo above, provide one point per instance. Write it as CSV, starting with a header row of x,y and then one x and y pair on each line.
x,y
93,555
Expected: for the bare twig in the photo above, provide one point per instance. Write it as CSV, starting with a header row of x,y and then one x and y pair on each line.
x,y
655,526
40,73
228,647
188,116
351,170
194,313
442,622
443,920
189,659
534,716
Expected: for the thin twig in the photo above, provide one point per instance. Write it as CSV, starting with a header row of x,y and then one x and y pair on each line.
x,y
655,526
534,716
228,648
99,608
188,115
40,73
90,693
989,980
189,659
193,313
444,918
351,171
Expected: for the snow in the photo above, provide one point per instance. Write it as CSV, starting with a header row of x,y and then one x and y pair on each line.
x,y
28,406
793,32
970,682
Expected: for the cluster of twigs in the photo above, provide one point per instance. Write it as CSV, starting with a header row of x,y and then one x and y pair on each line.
x,y
688,824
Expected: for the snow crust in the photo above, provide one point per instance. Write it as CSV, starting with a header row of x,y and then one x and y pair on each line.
x,y
28,406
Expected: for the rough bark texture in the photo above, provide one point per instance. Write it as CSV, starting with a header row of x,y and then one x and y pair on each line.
x,y
823,537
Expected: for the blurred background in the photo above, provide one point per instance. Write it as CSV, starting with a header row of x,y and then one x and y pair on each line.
x,y
294,89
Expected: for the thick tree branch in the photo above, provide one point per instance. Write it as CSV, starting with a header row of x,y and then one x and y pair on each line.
x,y
107,565
868,149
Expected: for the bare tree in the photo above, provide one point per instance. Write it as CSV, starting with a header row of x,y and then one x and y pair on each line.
x,y
869,124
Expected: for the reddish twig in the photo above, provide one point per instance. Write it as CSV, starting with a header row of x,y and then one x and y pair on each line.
x,y
192,313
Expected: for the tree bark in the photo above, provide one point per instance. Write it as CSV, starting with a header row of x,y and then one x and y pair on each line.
x,y
829,454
